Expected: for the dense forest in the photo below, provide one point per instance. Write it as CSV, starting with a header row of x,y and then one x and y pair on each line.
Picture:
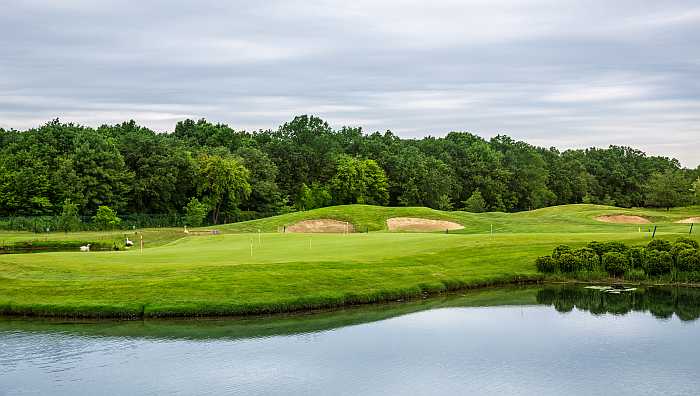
x,y
213,173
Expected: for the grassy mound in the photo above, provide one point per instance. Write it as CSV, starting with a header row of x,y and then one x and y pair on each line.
x,y
556,219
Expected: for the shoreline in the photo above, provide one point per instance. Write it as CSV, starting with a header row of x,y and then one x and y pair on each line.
x,y
302,305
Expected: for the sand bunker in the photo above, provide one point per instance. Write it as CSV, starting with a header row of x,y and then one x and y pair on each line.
x,y
418,224
690,220
623,219
321,225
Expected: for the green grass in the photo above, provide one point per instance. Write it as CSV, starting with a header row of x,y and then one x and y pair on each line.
x,y
216,275
555,219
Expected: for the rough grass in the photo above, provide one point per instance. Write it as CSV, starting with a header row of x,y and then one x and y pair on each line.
x,y
216,275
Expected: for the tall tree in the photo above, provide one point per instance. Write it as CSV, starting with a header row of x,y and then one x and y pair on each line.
x,y
222,183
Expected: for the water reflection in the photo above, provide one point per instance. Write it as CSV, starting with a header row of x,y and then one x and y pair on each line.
x,y
660,302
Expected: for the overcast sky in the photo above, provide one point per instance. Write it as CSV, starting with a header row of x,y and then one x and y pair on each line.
x,y
559,73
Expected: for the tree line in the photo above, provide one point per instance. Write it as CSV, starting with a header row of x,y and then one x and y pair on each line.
x,y
214,172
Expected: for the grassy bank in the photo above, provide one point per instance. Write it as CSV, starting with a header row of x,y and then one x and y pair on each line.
x,y
216,275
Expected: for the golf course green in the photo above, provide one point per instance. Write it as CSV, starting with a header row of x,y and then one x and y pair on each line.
x,y
252,268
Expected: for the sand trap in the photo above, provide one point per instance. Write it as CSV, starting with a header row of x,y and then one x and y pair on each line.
x,y
690,220
623,219
321,225
418,224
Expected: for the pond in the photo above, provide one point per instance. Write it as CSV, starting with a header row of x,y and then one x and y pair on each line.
x,y
545,340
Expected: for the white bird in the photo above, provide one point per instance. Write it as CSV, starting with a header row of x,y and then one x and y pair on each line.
x,y
129,242
186,232
85,248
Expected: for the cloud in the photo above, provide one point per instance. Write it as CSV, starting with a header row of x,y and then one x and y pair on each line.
x,y
552,72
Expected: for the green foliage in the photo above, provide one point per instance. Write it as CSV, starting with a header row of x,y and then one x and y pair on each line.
x,y
546,264
106,218
69,219
689,241
695,191
678,247
559,250
568,262
313,197
613,246
688,260
637,257
588,257
660,245
667,189
195,212
222,182
359,181
615,263
658,262
475,203
137,171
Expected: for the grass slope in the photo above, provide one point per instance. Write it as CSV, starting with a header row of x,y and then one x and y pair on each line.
x,y
216,274
555,219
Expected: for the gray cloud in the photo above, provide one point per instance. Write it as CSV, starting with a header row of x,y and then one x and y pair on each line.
x,y
556,73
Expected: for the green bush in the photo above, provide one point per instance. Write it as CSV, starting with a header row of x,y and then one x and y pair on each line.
x,y
588,257
567,262
637,257
618,247
689,241
615,263
597,247
658,263
559,250
688,260
678,247
660,245
546,264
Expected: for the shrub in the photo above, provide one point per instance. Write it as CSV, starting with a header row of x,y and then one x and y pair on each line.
x,y
660,245
597,247
546,264
658,262
569,263
559,250
588,257
618,247
637,257
688,260
678,247
615,263
689,241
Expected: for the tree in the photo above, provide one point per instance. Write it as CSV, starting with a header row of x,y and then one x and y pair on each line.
x,y
265,196
69,219
695,189
195,212
666,190
359,181
475,203
106,218
313,197
222,182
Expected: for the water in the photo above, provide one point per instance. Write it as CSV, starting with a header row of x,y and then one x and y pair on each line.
x,y
544,341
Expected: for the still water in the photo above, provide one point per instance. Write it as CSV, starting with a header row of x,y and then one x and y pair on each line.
x,y
538,340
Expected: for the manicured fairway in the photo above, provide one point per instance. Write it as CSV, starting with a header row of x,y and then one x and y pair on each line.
x,y
217,275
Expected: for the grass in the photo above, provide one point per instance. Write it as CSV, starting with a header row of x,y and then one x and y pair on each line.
x,y
216,275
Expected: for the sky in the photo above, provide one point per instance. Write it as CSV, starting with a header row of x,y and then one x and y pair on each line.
x,y
562,73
